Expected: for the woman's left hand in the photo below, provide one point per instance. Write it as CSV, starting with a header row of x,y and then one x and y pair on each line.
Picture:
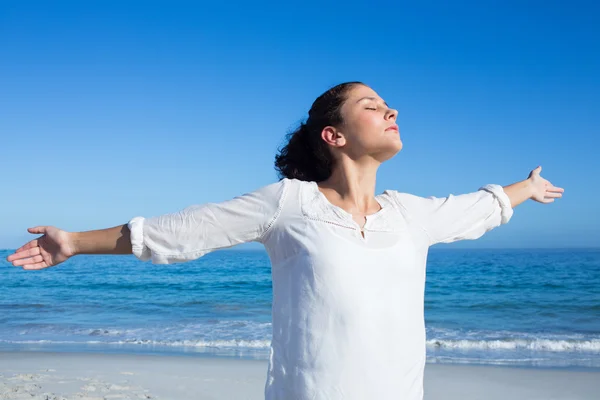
x,y
542,190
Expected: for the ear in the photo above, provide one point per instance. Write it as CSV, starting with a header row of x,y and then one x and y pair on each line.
x,y
333,137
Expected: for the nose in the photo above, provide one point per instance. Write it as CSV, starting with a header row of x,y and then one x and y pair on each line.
x,y
391,114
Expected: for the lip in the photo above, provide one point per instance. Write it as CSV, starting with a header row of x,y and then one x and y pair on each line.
x,y
393,127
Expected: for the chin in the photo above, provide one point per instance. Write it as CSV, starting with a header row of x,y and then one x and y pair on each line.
x,y
400,144
397,146
389,152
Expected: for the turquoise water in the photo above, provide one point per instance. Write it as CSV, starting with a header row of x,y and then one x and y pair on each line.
x,y
503,307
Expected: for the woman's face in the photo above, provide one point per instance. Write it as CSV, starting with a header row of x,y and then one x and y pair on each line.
x,y
369,127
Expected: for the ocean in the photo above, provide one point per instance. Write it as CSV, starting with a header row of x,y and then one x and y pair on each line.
x,y
538,307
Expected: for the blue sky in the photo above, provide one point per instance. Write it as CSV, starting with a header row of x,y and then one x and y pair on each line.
x,y
111,110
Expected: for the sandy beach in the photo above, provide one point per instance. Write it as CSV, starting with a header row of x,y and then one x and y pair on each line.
x,y
89,376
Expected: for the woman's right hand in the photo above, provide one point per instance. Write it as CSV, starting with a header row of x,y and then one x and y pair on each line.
x,y
54,247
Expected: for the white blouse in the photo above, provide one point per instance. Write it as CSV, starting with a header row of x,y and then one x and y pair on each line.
x,y
348,311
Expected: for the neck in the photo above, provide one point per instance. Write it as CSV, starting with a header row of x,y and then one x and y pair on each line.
x,y
352,186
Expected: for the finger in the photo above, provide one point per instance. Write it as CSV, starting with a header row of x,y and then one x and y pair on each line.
x,y
553,195
28,261
37,229
40,265
546,201
555,189
28,245
25,253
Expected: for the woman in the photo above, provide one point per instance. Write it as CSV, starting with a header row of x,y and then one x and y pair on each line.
x,y
348,266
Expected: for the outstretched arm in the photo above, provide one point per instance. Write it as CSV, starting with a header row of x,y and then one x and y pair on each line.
x,y
470,215
176,237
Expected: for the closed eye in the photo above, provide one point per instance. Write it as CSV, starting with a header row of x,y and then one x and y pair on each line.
x,y
369,108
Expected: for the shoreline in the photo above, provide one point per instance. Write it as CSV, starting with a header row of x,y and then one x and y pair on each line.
x,y
262,355
98,376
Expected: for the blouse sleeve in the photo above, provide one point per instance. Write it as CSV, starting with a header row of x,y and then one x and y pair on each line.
x,y
199,229
452,218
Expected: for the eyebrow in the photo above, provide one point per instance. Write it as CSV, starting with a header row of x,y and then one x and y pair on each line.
x,y
371,98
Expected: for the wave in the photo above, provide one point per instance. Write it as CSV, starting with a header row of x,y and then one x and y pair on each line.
x,y
592,345
243,333
234,343
588,346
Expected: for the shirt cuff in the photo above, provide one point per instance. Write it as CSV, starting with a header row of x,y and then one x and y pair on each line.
x,y
503,199
136,228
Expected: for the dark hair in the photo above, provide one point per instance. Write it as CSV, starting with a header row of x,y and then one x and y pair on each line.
x,y
306,156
